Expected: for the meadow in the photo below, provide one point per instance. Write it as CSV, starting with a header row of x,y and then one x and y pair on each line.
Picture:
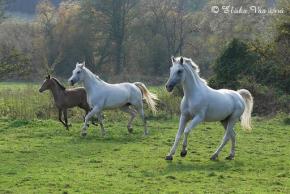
x,y
39,156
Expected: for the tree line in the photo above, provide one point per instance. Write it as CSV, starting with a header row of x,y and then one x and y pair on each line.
x,y
118,37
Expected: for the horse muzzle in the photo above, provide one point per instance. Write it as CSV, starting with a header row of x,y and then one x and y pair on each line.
x,y
71,82
169,87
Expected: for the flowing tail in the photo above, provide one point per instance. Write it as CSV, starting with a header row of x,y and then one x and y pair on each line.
x,y
246,116
149,97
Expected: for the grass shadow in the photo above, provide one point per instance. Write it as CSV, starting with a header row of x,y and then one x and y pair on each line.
x,y
18,123
109,138
204,166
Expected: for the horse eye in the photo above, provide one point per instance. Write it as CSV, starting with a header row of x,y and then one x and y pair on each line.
x,y
179,72
78,72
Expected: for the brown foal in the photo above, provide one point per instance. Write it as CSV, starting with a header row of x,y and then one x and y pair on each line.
x,y
65,98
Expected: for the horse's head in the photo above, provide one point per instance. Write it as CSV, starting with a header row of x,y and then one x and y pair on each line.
x,y
77,74
46,84
176,73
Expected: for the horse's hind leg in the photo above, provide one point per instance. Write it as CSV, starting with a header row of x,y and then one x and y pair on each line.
x,y
233,148
140,110
233,140
229,134
133,113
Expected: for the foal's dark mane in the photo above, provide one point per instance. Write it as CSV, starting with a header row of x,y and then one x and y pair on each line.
x,y
58,83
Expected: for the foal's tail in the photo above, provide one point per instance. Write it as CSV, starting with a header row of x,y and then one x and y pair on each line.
x,y
149,97
246,116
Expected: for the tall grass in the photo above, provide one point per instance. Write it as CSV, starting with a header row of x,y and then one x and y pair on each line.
x,y
23,101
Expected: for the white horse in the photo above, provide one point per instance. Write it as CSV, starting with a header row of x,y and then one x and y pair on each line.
x,y
202,103
101,95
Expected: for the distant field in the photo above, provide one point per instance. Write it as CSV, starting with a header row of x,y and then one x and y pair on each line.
x,y
41,157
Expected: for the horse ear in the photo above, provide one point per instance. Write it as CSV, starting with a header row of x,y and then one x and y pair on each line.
x,y
83,64
181,61
48,76
173,59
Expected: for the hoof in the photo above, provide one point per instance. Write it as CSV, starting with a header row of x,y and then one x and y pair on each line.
x,y
69,125
83,134
130,129
169,158
183,153
214,158
230,157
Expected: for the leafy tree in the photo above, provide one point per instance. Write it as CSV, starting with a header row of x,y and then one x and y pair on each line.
x,y
14,64
114,18
46,14
236,60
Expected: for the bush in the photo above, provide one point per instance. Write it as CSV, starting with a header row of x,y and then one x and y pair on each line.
x,y
235,60
267,100
258,68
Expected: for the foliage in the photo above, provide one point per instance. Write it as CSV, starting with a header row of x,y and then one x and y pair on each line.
x,y
13,61
137,37
235,61
258,68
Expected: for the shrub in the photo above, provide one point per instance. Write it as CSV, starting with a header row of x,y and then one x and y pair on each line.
x,y
266,98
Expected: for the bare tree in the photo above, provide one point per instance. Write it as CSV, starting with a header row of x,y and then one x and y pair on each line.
x,y
115,16
176,22
46,14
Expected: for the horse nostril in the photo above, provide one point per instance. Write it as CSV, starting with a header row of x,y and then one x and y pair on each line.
x,y
169,87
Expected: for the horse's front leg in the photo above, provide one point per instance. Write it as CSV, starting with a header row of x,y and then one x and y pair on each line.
x,y
94,111
59,117
182,123
65,119
195,121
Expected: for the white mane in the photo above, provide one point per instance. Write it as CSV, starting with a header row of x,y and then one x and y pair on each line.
x,y
192,67
92,75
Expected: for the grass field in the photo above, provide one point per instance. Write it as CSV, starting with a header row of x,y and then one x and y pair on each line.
x,y
39,156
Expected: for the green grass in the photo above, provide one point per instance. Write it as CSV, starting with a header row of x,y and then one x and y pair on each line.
x,y
42,157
